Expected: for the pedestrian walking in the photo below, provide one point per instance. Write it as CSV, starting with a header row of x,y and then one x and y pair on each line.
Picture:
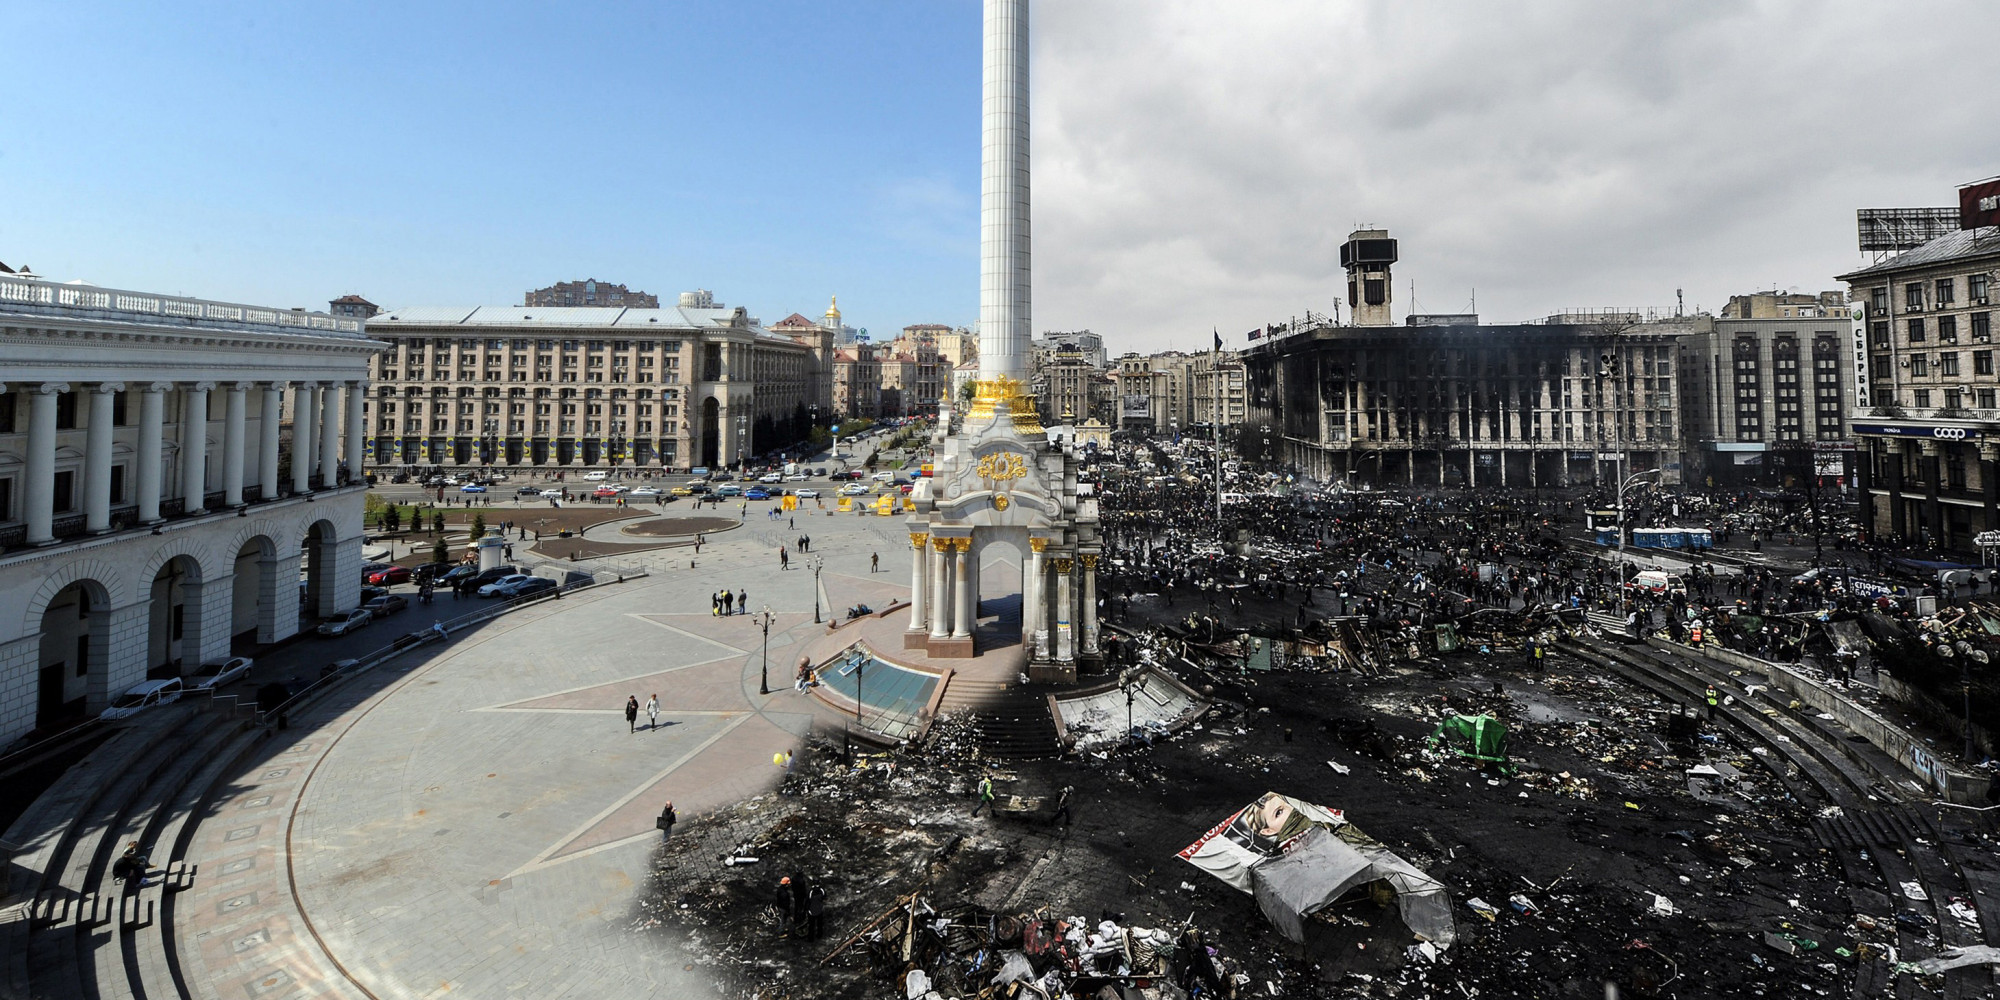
x,y
665,824
632,713
653,711
1062,807
985,793
874,561
784,559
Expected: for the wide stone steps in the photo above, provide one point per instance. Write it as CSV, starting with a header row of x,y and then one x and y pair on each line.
x,y
1010,721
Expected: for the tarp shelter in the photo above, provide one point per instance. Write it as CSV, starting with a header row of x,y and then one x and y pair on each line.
x,y
1477,737
1297,858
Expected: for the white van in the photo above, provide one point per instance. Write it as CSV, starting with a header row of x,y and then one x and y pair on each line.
x,y
598,476
144,695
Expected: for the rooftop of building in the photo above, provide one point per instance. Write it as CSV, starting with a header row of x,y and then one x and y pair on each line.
x,y
26,293
1964,244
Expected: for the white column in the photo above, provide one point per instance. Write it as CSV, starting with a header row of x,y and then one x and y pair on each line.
x,y
41,471
1065,613
917,595
356,432
152,424
97,458
1089,607
940,574
305,417
194,446
268,426
233,445
329,436
1004,273
1031,604
961,585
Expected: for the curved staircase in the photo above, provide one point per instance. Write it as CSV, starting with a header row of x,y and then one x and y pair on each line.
x,y
1011,720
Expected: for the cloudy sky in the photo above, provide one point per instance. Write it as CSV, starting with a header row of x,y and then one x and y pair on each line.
x,y
1197,163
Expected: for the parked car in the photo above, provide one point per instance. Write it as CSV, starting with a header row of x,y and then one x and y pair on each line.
x,y
430,571
598,475
771,477
386,605
682,491
144,695
884,477
699,488
644,491
498,587
607,492
451,577
472,488
756,493
370,569
390,576
210,676
486,576
698,471
346,623
371,593
797,477
551,494
529,491
524,588
853,490
820,472
808,494
729,490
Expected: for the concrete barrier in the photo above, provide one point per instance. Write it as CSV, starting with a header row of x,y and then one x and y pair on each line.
x,y
1905,748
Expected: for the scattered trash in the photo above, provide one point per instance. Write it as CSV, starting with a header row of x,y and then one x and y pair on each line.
x,y
1339,768
1914,890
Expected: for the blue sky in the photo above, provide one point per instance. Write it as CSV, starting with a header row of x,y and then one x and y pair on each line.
x,y
416,153
1196,163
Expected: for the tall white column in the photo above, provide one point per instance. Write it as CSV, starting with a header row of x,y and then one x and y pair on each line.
x,y
40,510
1004,261
233,445
940,575
356,432
1033,600
268,426
97,457
194,446
1065,613
152,441
917,595
329,436
305,417
1089,606
961,585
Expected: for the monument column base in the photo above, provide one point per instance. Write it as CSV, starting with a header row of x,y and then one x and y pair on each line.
x,y
1050,672
916,638
952,648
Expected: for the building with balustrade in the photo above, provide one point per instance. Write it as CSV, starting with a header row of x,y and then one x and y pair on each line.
x,y
698,384
167,465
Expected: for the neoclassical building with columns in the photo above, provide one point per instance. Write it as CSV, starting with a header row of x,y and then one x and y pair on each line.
x,y
167,467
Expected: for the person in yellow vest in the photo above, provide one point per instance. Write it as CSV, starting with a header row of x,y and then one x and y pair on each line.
x,y
1711,701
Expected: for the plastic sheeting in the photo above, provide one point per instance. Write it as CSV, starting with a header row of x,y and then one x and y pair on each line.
x,y
1320,868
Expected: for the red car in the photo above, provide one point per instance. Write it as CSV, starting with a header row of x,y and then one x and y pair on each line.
x,y
392,574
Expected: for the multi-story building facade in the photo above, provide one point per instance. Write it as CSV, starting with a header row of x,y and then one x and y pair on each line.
x,y
158,488
698,384
590,292
1067,387
1052,342
1766,390
1929,427
857,381
1523,405
820,339
353,307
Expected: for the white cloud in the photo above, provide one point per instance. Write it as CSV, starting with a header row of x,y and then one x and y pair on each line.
x,y
1198,164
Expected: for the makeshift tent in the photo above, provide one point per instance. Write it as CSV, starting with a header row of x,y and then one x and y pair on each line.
x,y
1297,858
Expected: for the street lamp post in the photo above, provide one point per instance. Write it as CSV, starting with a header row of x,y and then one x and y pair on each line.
x,y
742,442
815,563
764,672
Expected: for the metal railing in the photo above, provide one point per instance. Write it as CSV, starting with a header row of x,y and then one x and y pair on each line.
x,y
48,295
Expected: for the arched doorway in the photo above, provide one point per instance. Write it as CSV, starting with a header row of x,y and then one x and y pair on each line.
x,y
76,634
316,590
710,448
173,618
998,559
255,584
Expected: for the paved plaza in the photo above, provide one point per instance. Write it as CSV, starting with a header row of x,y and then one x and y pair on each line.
x,y
478,819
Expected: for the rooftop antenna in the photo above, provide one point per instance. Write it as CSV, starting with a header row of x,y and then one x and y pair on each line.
x,y
1680,303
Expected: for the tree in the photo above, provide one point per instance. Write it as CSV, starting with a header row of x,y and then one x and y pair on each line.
x,y
437,522
439,553
392,518
478,525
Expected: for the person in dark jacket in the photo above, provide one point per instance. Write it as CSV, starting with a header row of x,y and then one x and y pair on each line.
x,y
632,713
666,822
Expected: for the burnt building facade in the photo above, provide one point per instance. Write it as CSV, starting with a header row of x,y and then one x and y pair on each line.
x,y
1527,405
